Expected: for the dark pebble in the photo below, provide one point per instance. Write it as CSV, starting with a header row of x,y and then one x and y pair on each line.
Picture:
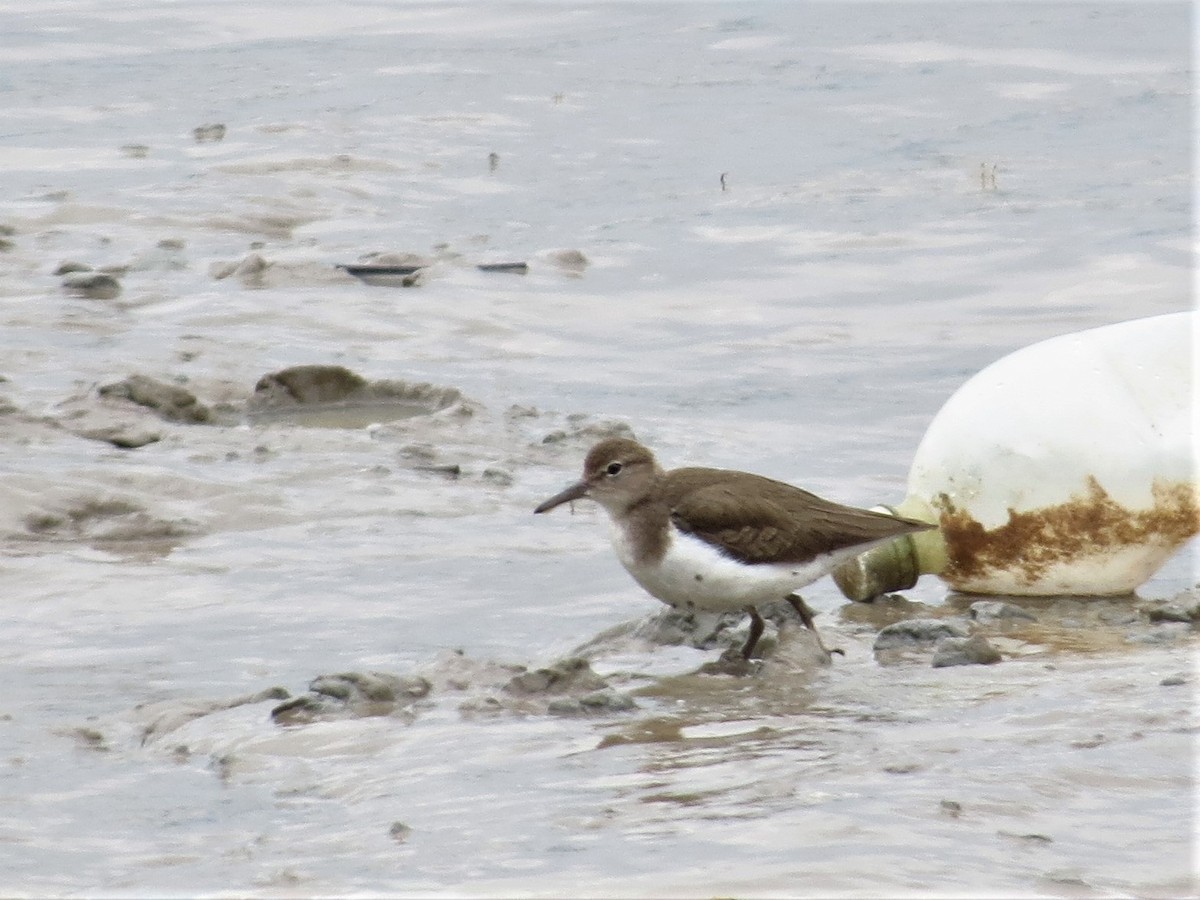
x,y
206,134
171,402
127,438
69,266
972,651
914,632
93,285
998,610
1172,611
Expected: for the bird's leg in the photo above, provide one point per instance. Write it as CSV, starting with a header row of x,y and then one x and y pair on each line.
x,y
806,617
756,630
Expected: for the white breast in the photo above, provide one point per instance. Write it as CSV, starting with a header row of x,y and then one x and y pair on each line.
x,y
694,574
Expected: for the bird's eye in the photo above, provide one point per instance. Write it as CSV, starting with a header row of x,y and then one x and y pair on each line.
x,y
614,468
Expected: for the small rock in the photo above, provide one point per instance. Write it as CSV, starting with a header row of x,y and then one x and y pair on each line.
x,y
171,402
302,710
404,258
399,832
731,663
135,151
91,738
1164,632
916,632
250,270
93,285
588,432
207,134
570,674
310,384
1118,616
498,477
314,384
602,701
691,628
127,437
69,266
570,261
375,687
1174,611
952,808
998,610
352,695
607,700
971,651
1174,680
451,471
1032,838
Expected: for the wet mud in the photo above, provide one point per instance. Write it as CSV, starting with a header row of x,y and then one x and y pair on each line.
x,y
278,618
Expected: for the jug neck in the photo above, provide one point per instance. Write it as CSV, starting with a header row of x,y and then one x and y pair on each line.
x,y
897,565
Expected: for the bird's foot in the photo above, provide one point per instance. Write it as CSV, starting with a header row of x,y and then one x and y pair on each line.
x,y
806,617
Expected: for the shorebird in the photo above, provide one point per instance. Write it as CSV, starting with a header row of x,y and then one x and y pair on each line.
x,y
722,540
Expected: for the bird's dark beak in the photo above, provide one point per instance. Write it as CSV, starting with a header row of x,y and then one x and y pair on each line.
x,y
574,492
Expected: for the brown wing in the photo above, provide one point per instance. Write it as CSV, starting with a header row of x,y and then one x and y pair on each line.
x,y
755,519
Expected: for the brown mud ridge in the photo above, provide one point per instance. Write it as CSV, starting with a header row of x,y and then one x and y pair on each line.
x,y
436,430
567,687
293,394
131,413
897,633
973,630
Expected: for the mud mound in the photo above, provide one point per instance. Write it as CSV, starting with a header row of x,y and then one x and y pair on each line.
x,y
310,394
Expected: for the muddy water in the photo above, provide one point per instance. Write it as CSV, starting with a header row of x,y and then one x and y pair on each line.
x,y
805,322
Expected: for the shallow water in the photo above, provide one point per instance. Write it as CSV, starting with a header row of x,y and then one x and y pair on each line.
x,y
806,323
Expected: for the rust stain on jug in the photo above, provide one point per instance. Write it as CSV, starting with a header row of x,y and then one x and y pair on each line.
x,y
1088,525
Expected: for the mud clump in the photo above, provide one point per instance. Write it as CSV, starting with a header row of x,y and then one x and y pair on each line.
x,y
570,674
92,285
309,384
917,633
209,134
998,611
292,391
163,718
250,270
101,521
900,641
70,267
168,401
123,436
568,687
571,262
578,690
970,651
581,432
352,695
1184,607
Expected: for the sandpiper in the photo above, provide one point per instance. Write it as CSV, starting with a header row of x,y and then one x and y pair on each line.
x,y
722,540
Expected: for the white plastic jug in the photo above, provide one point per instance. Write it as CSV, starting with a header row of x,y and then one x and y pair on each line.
x,y
1067,467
